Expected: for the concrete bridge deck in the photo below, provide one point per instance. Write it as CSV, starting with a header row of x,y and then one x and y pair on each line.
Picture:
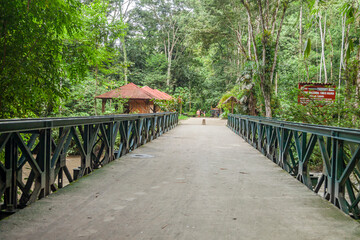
x,y
194,182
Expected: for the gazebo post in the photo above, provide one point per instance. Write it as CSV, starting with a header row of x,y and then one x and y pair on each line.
x,y
232,100
103,105
180,106
95,106
232,106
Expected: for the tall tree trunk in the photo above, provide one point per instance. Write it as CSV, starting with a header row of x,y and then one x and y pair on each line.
x,y
300,39
249,40
277,42
301,44
125,60
322,39
4,47
96,86
168,76
267,98
251,32
265,84
60,100
343,25
238,73
189,96
267,14
181,107
331,57
273,24
320,71
265,80
276,84
307,71
357,93
346,70
323,51
252,103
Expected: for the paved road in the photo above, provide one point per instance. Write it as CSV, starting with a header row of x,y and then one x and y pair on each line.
x,y
195,182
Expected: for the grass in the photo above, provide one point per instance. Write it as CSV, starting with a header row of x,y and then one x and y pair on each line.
x,y
183,117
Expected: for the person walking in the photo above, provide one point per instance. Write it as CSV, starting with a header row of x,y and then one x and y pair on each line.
x,y
198,112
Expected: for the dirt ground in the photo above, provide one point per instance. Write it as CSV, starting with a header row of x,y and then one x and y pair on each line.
x,y
72,162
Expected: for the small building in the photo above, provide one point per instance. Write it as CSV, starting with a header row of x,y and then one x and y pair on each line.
x,y
140,100
215,112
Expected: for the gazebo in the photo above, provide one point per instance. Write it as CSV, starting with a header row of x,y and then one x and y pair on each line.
x,y
140,100
231,100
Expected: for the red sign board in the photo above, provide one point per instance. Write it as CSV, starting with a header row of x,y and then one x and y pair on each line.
x,y
316,92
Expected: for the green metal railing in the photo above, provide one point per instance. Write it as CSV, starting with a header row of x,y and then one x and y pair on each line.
x,y
40,147
297,147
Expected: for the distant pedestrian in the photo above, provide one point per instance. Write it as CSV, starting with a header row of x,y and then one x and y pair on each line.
x,y
198,112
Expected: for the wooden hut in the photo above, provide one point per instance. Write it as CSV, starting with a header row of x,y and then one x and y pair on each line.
x,y
232,100
215,112
140,100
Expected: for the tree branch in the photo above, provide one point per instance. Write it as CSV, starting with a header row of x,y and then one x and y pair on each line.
x,y
261,15
277,42
267,13
4,47
239,37
263,38
251,28
273,22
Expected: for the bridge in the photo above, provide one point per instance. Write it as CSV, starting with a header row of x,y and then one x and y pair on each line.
x,y
152,180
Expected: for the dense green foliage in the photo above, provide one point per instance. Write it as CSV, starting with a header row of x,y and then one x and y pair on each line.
x,y
55,56
35,56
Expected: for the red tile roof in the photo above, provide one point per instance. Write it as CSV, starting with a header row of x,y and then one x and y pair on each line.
x,y
152,92
165,96
130,91
158,94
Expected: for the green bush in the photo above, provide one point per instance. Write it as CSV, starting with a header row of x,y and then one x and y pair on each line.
x,y
190,114
183,117
224,115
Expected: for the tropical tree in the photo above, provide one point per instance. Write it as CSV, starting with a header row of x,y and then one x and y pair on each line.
x,y
35,55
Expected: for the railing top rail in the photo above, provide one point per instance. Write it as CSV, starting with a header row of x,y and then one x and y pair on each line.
x,y
29,124
347,134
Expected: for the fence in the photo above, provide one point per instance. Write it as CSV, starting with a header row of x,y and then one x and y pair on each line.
x,y
323,158
34,152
